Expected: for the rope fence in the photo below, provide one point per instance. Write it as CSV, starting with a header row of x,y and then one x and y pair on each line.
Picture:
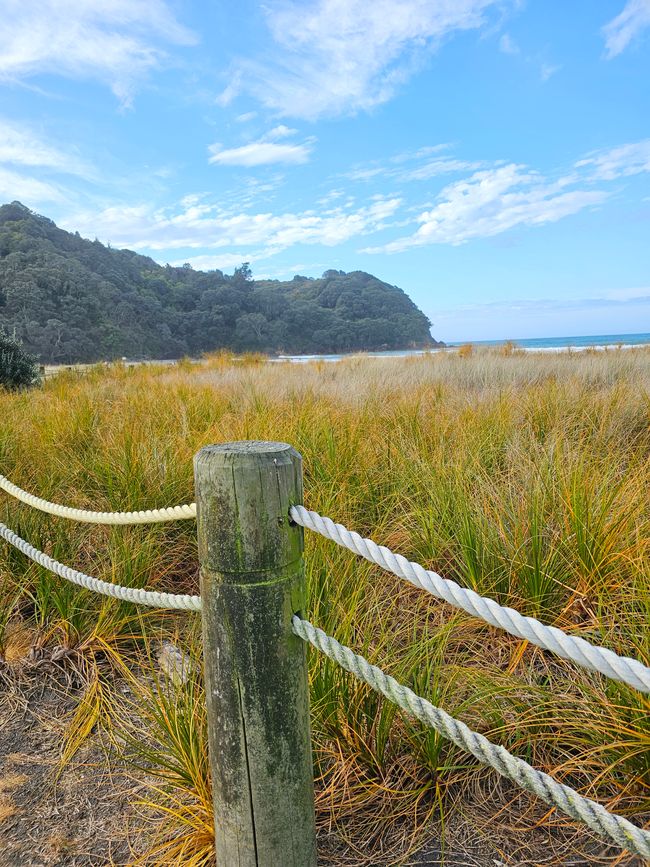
x,y
254,486
149,516
105,588
621,668
606,824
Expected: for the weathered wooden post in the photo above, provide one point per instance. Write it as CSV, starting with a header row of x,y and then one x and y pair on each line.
x,y
252,582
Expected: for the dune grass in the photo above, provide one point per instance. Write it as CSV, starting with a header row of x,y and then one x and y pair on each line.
x,y
525,477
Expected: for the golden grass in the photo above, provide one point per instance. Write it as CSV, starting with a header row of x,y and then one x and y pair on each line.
x,y
525,477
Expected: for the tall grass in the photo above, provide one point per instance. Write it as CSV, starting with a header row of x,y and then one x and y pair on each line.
x,y
524,477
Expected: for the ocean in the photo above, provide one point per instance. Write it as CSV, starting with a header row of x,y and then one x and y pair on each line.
x,y
579,342
529,344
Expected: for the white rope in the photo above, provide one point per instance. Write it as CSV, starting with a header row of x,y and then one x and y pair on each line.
x,y
150,516
621,668
600,820
129,594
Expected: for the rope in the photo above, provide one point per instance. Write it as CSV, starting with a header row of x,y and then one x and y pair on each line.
x,y
129,594
600,820
149,516
593,657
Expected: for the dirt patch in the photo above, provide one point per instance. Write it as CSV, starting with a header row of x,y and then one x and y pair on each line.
x,y
75,817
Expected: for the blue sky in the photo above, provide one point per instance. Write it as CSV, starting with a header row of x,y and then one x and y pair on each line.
x,y
491,158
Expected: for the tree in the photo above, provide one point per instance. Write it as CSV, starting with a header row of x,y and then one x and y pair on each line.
x,y
243,275
251,329
17,368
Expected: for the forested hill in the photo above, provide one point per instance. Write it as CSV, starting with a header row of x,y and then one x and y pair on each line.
x,y
72,300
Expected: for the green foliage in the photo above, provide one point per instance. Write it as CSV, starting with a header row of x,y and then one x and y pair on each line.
x,y
73,300
18,369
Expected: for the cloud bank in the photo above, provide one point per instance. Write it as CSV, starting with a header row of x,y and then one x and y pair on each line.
x,y
112,41
493,201
203,226
335,57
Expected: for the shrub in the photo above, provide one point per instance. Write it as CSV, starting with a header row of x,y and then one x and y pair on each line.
x,y
17,368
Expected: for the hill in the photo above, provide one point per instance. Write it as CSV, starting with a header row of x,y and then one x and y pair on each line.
x,y
73,300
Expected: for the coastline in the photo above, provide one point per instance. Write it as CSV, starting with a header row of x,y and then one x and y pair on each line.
x,y
535,345
543,345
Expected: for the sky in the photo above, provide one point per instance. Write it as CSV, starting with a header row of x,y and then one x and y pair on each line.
x,y
490,158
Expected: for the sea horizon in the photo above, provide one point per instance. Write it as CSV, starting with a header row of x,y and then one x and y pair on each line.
x,y
580,341
529,344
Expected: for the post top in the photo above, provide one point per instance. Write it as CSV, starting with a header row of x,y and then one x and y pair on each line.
x,y
249,453
248,447
244,491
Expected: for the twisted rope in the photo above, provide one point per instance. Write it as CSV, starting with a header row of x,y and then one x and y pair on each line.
x,y
605,824
621,668
182,601
149,516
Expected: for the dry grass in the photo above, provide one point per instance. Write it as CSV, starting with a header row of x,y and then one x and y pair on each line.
x,y
7,784
523,476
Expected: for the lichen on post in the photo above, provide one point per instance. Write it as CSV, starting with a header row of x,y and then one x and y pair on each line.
x,y
252,582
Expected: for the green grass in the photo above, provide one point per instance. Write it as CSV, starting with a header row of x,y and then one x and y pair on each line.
x,y
526,478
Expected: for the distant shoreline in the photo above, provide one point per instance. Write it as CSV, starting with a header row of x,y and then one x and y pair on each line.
x,y
530,345
585,341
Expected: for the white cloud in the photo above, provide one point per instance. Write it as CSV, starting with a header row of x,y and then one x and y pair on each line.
x,y
230,92
620,31
330,197
365,174
287,272
424,169
547,70
109,40
203,226
507,45
21,146
442,166
222,261
342,56
259,153
28,190
427,151
491,202
280,131
620,161
263,152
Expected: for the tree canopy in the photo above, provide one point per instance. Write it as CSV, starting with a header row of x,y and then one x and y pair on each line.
x,y
69,299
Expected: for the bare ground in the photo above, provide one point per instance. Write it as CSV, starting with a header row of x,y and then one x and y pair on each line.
x,y
75,818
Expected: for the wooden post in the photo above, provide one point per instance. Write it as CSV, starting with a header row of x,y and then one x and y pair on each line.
x,y
252,582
